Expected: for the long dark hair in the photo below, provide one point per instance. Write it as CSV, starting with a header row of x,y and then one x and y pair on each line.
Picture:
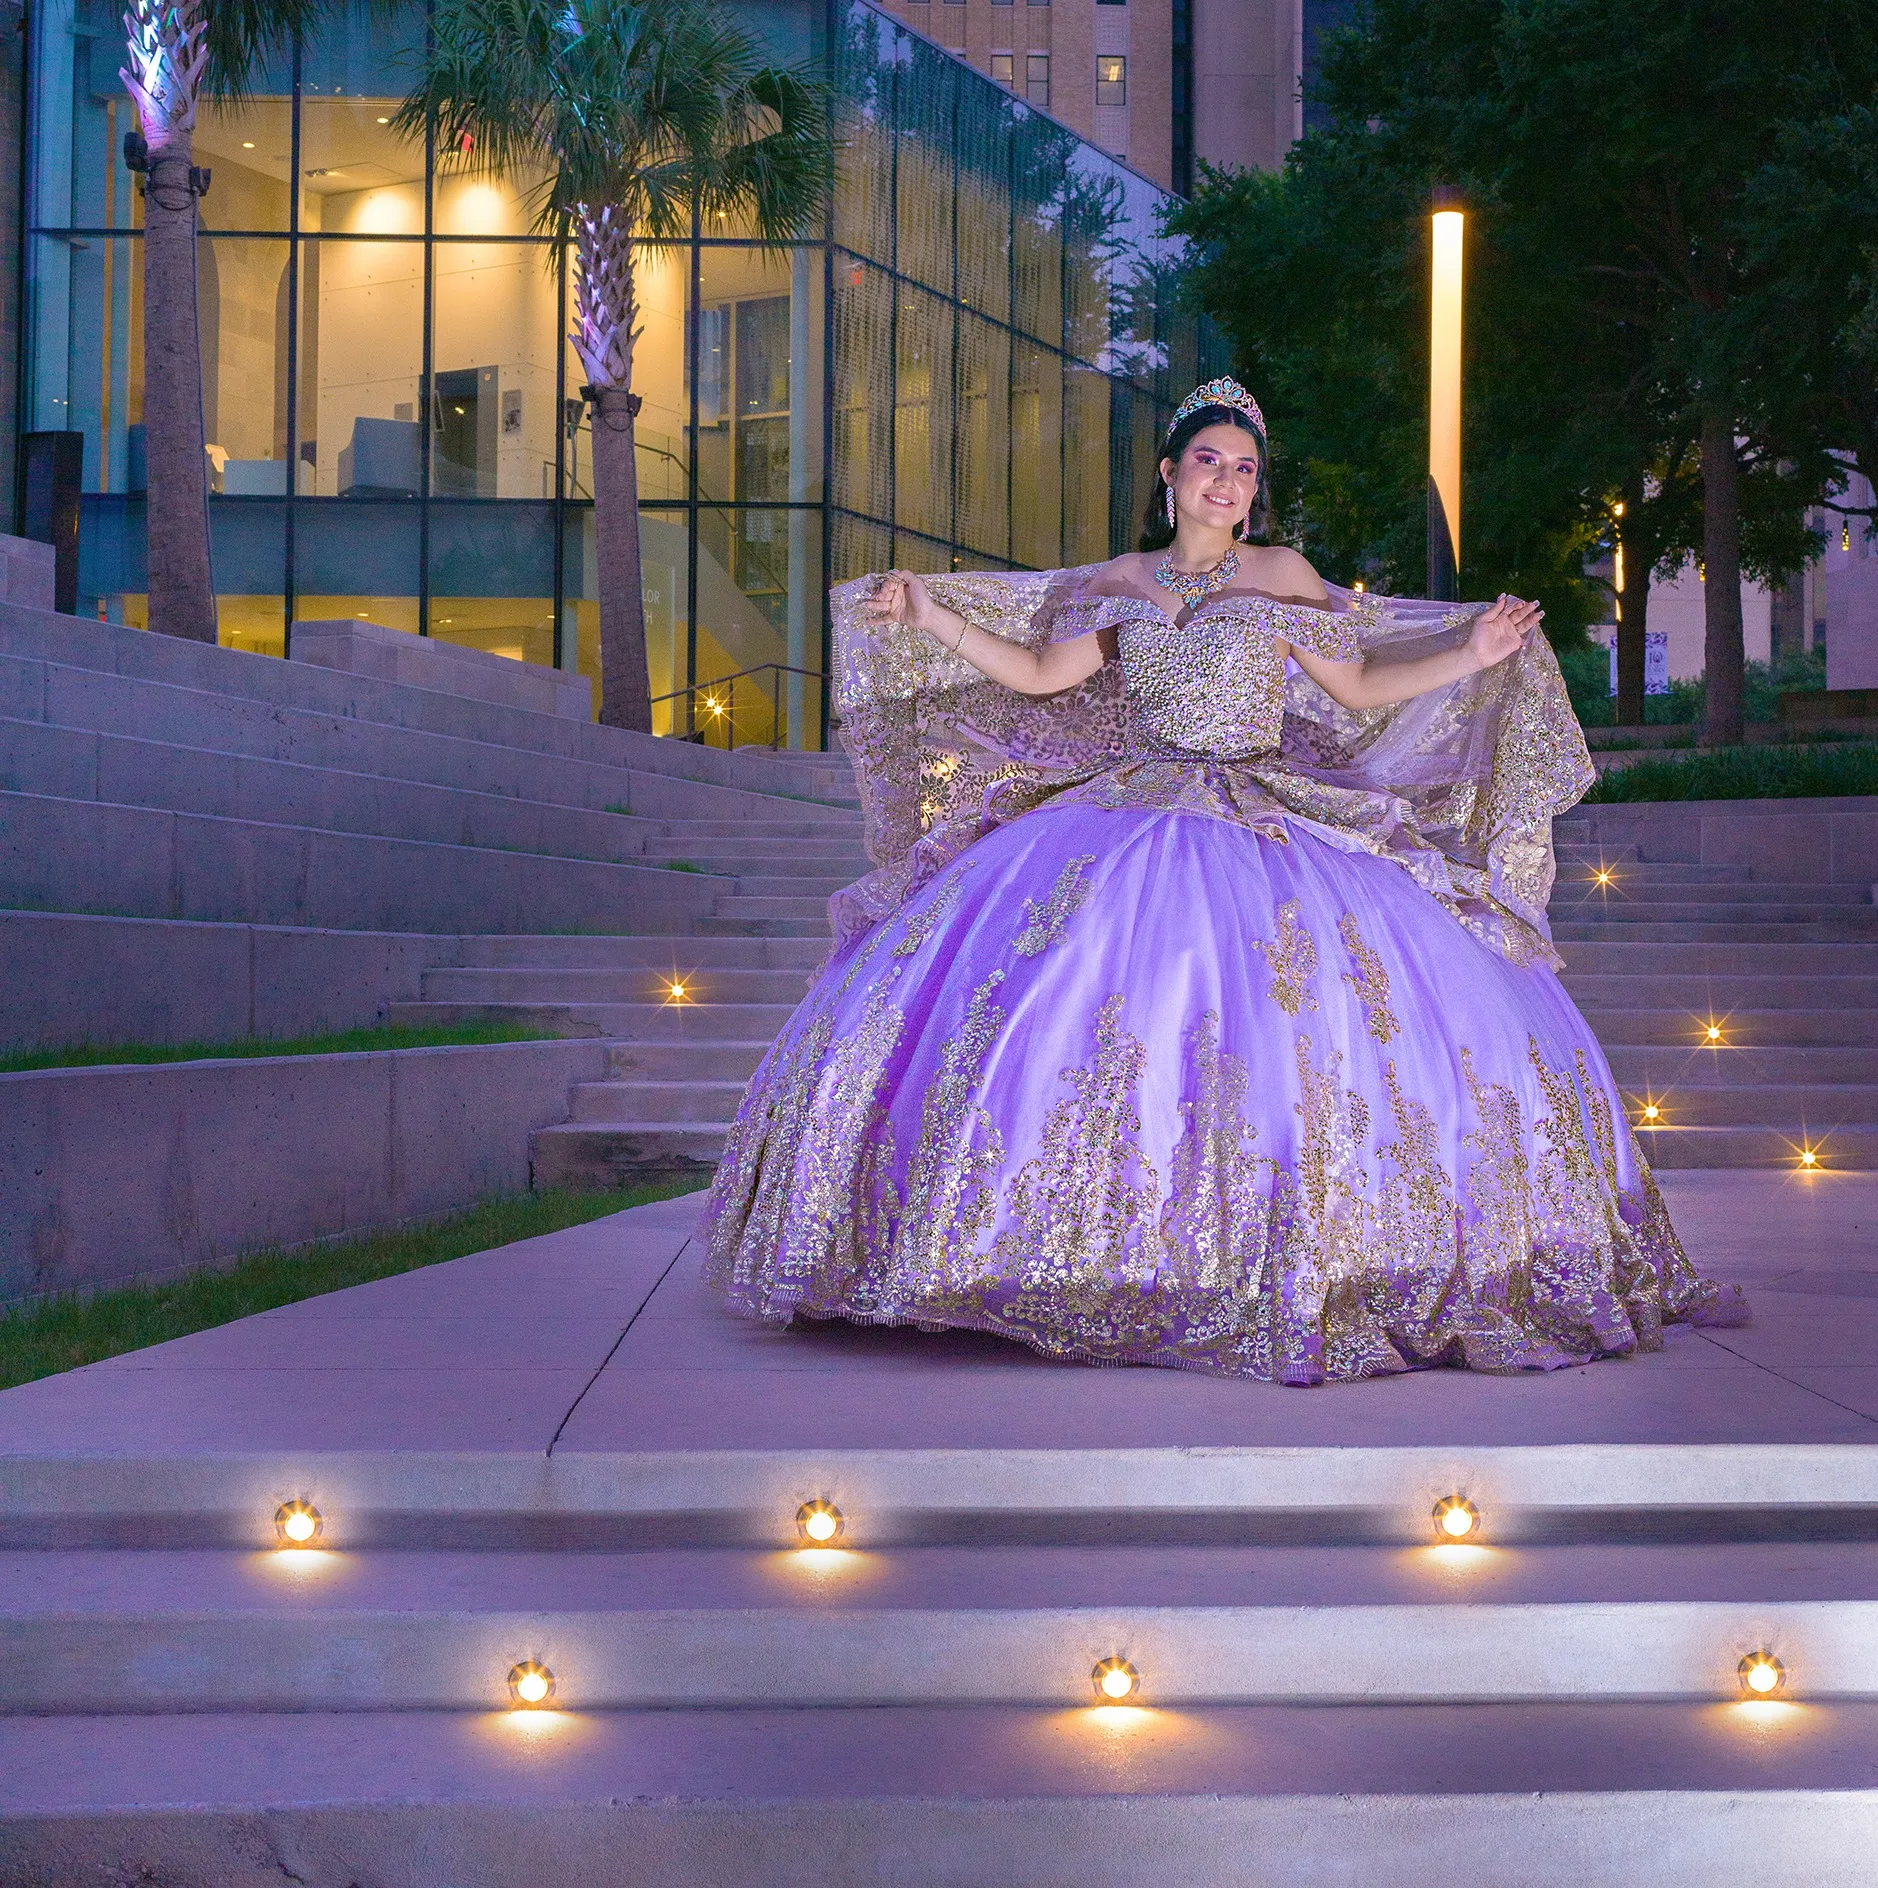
x,y
1156,533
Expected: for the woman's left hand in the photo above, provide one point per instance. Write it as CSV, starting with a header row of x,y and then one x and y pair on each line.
x,y
1501,630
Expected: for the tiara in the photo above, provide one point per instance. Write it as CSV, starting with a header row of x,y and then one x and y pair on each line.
x,y
1222,392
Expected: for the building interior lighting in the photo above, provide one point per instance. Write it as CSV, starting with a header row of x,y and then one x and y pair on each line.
x,y
531,1683
1115,1679
1456,1518
298,1523
1761,1674
820,1523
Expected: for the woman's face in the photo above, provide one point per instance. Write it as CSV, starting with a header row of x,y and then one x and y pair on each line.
x,y
1217,478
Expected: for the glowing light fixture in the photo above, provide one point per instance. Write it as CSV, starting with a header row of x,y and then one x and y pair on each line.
x,y
1115,1679
676,991
1444,396
1808,1158
1456,1518
1761,1674
1651,1112
298,1523
819,1523
531,1683
384,121
247,144
1602,876
1712,1033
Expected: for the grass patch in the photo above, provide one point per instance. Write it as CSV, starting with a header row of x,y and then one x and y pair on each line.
x,y
54,1334
680,865
336,1042
1744,773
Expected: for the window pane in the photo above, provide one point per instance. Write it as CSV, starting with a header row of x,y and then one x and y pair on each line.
x,y
1086,463
492,578
79,112
1036,458
864,120
926,105
759,608
662,279
1037,227
358,558
1111,80
243,301
248,149
984,438
85,314
859,548
863,463
492,351
664,557
1037,78
361,360
923,415
984,207
759,375
354,175
248,540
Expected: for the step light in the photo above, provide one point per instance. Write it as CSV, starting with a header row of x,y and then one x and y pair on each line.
x,y
676,991
1711,1032
1602,875
297,1524
1115,1679
819,1523
531,1684
1652,1113
1456,1518
1808,1158
1761,1674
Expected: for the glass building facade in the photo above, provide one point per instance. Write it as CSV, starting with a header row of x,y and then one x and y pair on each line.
x,y
968,365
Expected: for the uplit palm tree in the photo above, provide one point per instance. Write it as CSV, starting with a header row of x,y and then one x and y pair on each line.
x,y
640,113
176,50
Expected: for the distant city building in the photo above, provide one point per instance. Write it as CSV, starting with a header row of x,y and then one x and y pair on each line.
x,y
1163,84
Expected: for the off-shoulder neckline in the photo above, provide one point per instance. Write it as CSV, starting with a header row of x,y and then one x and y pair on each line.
x,y
1206,604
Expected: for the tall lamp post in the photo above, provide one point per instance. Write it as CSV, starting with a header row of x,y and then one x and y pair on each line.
x,y
1444,396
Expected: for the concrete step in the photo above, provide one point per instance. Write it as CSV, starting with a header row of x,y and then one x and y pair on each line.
x,y
1800,959
158,1631
716,926
650,953
61,655
830,833
541,984
1851,929
760,855
83,855
634,1022
692,1061
1618,1024
689,1098
734,905
1768,901
1835,1149
934,1797
773,883
1802,1109
69,763
1708,990
1678,1068
623,1153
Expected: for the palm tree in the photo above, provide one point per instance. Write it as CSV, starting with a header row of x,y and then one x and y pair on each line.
x,y
641,114
177,49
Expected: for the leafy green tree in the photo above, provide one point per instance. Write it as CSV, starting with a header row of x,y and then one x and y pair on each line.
x,y
637,115
175,50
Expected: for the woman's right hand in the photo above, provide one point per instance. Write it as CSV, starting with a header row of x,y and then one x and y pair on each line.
x,y
903,598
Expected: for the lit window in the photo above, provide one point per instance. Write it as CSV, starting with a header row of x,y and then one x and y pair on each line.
x,y
1111,79
1037,77
1004,68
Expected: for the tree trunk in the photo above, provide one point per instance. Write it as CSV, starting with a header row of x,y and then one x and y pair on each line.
x,y
625,694
1633,615
182,589
1723,657
606,306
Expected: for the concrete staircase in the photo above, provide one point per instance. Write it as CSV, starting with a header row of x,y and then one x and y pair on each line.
x,y
1660,953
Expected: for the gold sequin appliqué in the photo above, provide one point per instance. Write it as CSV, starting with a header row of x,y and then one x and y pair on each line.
x,y
1293,958
1046,922
1370,981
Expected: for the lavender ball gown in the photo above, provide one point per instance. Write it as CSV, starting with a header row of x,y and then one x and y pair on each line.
x,y
1196,1022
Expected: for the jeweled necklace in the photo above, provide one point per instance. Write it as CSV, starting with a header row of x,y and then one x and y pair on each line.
x,y
1194,586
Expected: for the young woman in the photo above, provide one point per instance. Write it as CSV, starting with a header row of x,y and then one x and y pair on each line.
x,y
1202,1011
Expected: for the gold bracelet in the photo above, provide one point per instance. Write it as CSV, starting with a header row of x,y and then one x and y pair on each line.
x,y
963,627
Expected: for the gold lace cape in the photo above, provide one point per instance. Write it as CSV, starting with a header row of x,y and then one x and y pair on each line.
x,y
1459,786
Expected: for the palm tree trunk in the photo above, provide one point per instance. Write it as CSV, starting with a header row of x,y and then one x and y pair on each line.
x,y
605,309
625,693
182,590
166,44
1723,656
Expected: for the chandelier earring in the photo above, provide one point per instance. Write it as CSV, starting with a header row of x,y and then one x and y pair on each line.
x,y
1170,507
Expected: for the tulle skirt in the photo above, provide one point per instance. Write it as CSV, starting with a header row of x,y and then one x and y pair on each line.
x,y
1137,1086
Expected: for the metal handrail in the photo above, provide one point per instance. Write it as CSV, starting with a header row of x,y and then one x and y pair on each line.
x,y
725,711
